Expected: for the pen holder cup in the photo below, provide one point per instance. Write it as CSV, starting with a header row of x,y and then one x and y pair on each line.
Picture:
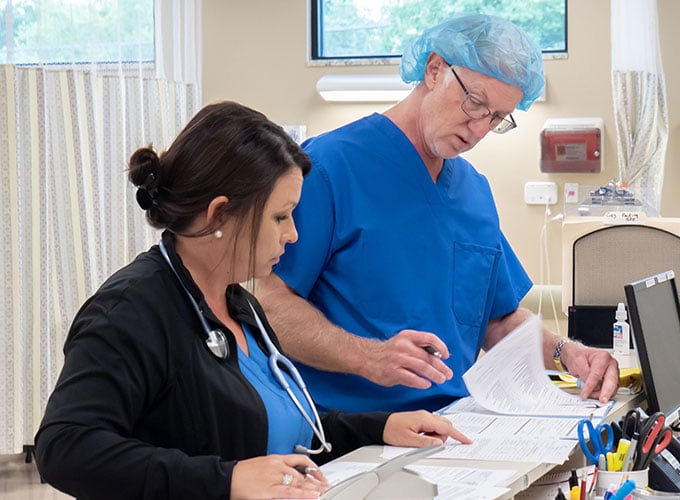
x,y
605,479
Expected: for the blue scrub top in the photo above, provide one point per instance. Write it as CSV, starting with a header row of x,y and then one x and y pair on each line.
x,y
287,427
383,248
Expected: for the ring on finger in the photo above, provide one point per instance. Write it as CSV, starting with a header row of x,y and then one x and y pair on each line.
x,y
287,479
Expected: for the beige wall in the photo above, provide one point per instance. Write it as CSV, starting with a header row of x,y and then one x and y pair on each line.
x,y
255,53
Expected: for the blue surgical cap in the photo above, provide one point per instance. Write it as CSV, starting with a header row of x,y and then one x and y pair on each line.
x,y
485,44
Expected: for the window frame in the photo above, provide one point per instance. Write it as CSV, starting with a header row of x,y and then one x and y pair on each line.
x,y
314,42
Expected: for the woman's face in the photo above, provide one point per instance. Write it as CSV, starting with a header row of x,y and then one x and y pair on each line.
x,y
277,228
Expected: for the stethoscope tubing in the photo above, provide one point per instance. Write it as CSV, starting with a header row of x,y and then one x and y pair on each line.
x,y
275,357
216,342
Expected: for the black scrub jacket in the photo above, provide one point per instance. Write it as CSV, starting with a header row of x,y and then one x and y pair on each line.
x,y
142,409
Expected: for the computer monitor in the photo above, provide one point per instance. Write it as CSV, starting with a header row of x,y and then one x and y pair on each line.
x,y
654,314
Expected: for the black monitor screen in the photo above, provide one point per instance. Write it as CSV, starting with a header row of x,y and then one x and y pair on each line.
x,y
654,313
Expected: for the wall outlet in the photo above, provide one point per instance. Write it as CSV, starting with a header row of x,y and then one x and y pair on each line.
x,y
570,192
540,193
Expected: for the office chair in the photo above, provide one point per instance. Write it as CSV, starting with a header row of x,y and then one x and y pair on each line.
x,y
607,259
599,259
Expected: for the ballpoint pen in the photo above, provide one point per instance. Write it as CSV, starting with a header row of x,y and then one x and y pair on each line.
x,y
306,470
431,350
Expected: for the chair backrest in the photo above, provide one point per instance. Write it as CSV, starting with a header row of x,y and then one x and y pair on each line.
x,y
598,259
607,259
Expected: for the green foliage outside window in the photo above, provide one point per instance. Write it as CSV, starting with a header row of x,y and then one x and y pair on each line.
x,y
66,31
375,28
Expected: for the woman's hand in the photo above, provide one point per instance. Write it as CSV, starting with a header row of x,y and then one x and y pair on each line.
x,y
420,428
277,476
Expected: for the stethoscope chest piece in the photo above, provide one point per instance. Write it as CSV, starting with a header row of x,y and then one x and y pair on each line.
x,y
217,344
216,341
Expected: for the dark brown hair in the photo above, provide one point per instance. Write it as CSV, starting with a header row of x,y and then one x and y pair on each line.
x,y
226,149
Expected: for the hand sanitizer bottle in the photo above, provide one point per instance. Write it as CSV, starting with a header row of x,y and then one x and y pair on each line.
x,y
621,333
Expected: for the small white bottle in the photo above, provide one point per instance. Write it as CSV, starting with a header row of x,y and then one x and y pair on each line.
x,y
621,333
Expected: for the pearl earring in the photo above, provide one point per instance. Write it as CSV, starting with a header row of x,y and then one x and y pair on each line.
x,y
218,234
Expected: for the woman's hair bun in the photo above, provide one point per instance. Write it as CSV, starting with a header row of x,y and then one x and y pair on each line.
x,y
143,173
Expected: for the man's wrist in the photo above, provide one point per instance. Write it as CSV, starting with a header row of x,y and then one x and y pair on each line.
x,y
557,355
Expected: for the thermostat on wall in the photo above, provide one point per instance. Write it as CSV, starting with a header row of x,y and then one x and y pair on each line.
x,y
571,145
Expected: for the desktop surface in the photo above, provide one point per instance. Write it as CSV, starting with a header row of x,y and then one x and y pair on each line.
x,y
526,473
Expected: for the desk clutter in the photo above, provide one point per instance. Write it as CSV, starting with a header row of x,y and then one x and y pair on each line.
x,y
630,380
621,454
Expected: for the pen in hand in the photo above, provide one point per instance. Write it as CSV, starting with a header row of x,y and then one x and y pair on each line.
x,y
306,470
431,350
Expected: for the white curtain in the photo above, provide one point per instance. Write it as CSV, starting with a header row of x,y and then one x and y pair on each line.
x,y
68,214
639,92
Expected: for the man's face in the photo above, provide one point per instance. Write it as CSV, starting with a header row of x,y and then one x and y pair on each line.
x,y
447,130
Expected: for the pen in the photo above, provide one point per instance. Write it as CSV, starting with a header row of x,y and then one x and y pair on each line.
x,y
560,495
602,462
584,485
573,479
431,350
592,484
305,470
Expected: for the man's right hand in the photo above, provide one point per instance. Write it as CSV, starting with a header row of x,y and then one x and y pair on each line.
x,y
404,360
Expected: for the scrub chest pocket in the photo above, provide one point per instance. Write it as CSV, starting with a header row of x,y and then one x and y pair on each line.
x,y
473,268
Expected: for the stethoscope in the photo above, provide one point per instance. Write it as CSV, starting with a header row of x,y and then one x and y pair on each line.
x,y
217,343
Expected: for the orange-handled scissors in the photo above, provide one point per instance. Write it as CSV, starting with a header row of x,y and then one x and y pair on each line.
x,y
657,439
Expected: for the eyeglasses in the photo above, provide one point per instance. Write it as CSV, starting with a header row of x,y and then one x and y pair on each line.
x,y
476,110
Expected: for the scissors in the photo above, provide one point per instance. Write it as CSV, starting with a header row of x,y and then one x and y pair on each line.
x,y
655,439
595,441
636,421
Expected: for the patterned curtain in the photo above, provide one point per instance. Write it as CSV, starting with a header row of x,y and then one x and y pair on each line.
x,y
639,92
68,214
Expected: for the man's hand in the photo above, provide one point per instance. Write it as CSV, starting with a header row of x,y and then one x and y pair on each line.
x,y
598,370
404,360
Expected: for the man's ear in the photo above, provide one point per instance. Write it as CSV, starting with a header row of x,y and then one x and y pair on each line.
x,y
216,208
433,68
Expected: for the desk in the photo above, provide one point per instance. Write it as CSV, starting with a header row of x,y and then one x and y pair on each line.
x,y
526,472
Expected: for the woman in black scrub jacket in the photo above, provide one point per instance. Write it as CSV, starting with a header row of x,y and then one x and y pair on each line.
x,y
166,390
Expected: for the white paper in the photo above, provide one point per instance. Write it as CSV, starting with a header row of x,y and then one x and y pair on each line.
x,y
463,483
510,449
510,378
338,471
503,449
489,424
459,483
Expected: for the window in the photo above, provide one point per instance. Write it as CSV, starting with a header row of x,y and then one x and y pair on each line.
x,y
378,29
76,31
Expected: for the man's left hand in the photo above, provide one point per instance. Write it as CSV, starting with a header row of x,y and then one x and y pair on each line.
x,y
597,368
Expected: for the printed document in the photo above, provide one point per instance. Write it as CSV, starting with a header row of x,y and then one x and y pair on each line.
x,y
511,379
453,483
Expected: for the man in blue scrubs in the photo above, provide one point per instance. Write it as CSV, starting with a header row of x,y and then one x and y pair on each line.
x,y
400,246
